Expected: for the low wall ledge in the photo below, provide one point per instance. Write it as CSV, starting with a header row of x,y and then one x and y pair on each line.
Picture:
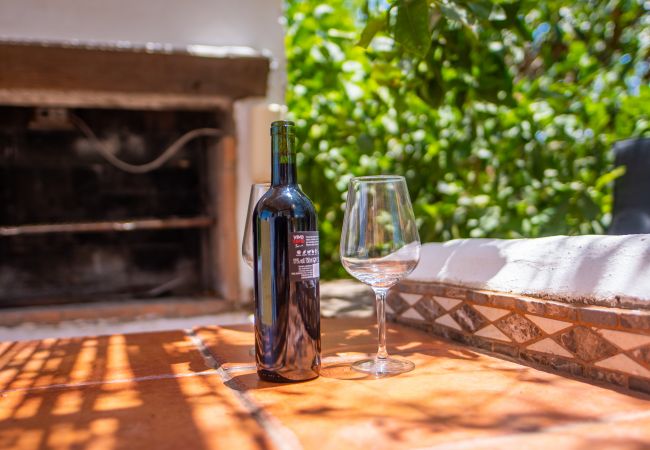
x,y
611,271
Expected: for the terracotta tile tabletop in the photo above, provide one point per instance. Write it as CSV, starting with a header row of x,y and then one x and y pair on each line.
x,y
198,390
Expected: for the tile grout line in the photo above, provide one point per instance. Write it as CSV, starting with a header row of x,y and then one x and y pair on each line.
x,y
504,439
101,382
282,437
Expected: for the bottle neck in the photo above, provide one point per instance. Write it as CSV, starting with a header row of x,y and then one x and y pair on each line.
x,y
283,156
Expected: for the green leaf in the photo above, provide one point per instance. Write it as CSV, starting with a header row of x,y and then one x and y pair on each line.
x,y
451,13
373,27
607,178
412,26
511,9
432,93
481,8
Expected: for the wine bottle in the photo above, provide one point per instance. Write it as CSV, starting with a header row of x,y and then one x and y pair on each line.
x,y
286,267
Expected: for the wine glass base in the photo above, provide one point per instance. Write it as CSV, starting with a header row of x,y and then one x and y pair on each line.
x,y
382,367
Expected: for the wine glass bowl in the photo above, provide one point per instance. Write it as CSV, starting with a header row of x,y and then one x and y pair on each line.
x,y
257,191
380,245
384,272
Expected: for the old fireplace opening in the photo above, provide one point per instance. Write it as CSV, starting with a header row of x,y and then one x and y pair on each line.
x,y
74,228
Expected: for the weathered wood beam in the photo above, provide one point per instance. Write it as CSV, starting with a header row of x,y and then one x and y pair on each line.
x,y
109,226
37,67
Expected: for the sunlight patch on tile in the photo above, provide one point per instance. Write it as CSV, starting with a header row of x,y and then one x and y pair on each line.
x,y
68,402
28,408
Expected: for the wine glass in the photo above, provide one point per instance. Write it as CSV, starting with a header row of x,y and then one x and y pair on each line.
x,y
257,191
380,245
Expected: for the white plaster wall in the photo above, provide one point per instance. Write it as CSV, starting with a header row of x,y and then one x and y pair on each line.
x,y
254,165
249,23
612,270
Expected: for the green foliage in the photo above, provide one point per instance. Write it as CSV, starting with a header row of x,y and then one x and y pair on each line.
x,y
500,114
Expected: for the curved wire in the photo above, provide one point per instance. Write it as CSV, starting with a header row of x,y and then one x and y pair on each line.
x,y
165,156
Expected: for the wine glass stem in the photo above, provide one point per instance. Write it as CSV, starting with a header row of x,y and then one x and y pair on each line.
x,y
380,295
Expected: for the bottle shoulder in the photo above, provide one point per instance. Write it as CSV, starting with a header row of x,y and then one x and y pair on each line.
x,y
285,199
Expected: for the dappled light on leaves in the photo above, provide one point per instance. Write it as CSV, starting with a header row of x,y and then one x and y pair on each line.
x,y
501,115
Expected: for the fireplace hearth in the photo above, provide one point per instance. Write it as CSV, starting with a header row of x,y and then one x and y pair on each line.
x,y
76,228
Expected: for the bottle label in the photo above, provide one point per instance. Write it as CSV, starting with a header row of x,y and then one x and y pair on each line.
x,y
303,255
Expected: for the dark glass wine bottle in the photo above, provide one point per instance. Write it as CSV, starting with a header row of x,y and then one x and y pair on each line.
x,y
286,266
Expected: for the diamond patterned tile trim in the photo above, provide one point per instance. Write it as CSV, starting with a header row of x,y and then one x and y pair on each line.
x,y
550,326
626,341
389,310
642,354
396,302
585,341
411,299
549,346
492,332
586,344
446,302
429,309
624,364
447,321
468,318
411,313
519,328
492,314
